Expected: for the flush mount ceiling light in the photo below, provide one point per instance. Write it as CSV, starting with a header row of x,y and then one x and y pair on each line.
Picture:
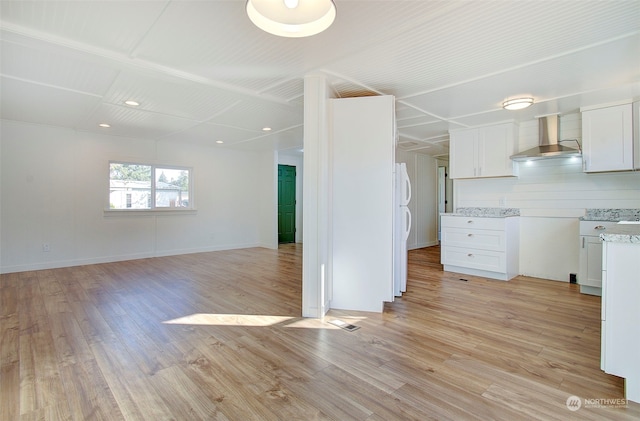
x,y
517,104
132,103
292,18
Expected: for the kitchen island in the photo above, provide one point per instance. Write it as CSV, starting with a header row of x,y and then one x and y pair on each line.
x,y
620,351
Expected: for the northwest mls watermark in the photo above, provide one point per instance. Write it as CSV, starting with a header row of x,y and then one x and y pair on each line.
x,y
574,403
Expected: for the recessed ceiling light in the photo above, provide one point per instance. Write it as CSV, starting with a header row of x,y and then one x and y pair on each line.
x,y
517,103
219,141
104,125
266,129
132,103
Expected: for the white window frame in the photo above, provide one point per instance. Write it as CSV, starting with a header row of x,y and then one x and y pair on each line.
x,y
153,208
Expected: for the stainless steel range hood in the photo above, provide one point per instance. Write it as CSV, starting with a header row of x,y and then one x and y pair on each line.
x,y
549,142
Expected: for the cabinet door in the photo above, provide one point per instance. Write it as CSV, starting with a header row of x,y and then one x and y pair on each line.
x,y
495,146
590,262
607,139
463,153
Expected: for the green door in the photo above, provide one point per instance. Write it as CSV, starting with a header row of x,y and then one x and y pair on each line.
x,y
286,204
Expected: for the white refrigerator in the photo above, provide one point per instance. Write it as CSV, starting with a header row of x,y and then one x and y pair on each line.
x,y
402,227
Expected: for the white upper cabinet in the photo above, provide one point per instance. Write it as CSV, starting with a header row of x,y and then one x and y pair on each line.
x,y
607,138
463,154
483,151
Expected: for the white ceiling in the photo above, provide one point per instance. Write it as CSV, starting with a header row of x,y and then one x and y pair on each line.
x,y
203,72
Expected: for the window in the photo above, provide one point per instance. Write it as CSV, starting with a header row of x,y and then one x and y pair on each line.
x,y
143,186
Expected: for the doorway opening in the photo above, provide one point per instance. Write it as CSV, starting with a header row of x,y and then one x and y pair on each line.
x,y
286,204
443,193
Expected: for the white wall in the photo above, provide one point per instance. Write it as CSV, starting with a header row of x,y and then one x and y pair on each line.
x,y
295,160
54,189
551,194
423,173
268,198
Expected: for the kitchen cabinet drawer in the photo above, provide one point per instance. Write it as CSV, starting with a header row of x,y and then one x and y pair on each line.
x,y
595,228
471,222
486,260
474,238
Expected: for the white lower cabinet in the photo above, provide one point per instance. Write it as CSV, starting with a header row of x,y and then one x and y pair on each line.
x,y
480,246
590,268
620,347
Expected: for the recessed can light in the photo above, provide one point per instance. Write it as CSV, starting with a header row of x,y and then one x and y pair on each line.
x,y
104,125
132,103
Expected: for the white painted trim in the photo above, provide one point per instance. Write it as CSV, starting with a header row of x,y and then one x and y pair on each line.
x,y
476,272
120,258
608,104
148,212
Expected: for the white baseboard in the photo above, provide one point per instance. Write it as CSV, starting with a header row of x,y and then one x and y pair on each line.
x,y
119,258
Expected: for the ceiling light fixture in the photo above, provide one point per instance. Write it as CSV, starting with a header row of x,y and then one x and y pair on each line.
x,y
266,129
291,18
132,103
219,142
517,104
104,125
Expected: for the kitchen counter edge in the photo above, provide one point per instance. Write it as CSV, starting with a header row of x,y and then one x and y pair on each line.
x,y
623,233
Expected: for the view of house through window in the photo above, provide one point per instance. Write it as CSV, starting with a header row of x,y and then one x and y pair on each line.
x,y
142,186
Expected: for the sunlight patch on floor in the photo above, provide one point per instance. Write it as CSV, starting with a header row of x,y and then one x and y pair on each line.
x,y
228,320
257,320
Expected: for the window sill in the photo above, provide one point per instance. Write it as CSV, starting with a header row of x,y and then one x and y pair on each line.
x,y
149,212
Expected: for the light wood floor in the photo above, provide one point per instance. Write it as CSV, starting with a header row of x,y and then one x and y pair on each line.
x,y
218,336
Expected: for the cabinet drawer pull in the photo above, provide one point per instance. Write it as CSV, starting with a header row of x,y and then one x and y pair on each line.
x,y
600,228
469,235
470,221
469,255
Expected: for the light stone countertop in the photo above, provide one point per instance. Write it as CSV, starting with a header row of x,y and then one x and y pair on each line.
x,y
485,212
609,214
623,233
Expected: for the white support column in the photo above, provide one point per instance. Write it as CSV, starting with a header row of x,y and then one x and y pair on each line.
x,y
316,224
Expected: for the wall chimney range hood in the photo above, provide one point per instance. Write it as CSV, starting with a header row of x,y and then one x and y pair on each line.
x,y
549,142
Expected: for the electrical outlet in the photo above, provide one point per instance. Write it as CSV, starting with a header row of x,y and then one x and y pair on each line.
x,y
45,247
503,201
